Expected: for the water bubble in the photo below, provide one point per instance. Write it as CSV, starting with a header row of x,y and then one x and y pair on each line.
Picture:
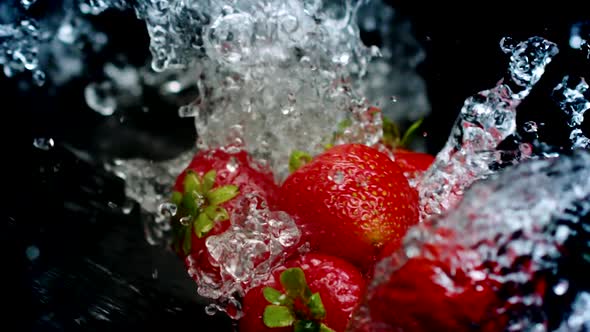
x,y
43,143
561,287
66,33
211,309
155,274
338,177
185,221
27,3
232,165
32,252
579,34
99,97
530,127
173,87
168,209
39,77
507,44
127,207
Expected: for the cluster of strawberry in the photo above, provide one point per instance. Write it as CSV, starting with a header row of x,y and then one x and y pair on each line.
x,y
353,204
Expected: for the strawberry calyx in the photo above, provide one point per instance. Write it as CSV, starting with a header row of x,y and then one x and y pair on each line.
x,y
199,207
298,159
392,136
297,306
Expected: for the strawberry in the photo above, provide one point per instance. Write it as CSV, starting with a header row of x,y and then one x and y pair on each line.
x,y
434,292
314,292
412,162
349,201
206,194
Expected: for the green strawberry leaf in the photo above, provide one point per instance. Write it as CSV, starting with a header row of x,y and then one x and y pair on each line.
x,y
187,243
216,213
293,281
277,316
209,180
203,224
192,182
176,198
272,295
222,194
410,133
316,307
192,201
306,326
297,159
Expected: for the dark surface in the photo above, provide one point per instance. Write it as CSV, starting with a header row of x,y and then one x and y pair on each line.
x,y
95,270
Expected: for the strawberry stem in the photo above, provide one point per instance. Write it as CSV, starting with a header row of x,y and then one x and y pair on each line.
x,y
199,208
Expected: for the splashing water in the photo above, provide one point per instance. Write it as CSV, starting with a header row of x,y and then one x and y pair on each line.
x,y
509,235
257,240
276,76
19,46
574,104
486,119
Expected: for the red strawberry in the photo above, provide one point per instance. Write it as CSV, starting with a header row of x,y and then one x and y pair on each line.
x,y
205,193
314,292
350,201
411,161
435,292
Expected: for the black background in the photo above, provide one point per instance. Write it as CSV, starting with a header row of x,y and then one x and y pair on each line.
x,y
92,256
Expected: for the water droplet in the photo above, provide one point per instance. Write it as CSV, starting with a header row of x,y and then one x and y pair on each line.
x,y
185,221
211,309
168,209
393,99
291,98
338,177
530,127
27,3
43,143
507,44
99,97
155,274
127,207
561,287
173,87
66,33
32,252
39,77
287,110
232,165
112,205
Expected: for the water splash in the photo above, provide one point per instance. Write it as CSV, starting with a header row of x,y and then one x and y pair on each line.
x,y
257,240
574,103
486,119
19,46
514,233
